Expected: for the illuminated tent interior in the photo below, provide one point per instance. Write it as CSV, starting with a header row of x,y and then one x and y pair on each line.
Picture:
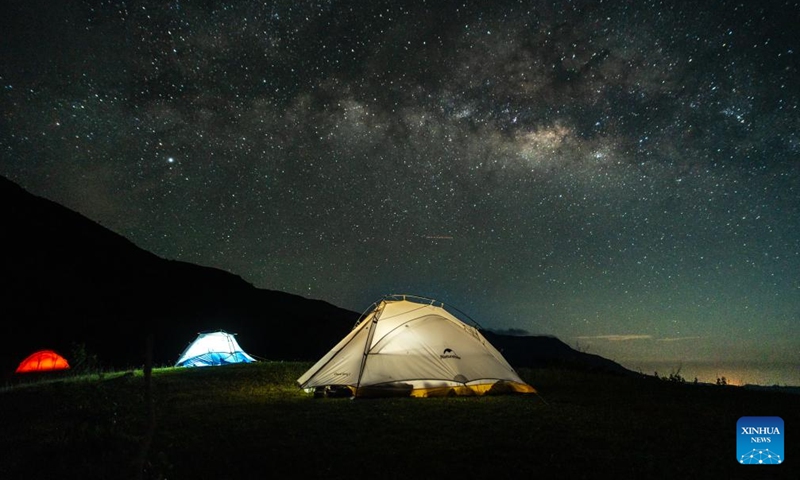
x,y
412,346
43,361
212,349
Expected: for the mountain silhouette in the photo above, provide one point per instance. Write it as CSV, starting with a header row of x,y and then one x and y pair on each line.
x,y
71,285
68,281
540,351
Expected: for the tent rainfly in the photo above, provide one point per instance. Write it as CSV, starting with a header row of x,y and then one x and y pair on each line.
x,y
43,361
211,349
409,346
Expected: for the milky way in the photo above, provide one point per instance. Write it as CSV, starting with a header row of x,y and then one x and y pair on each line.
x,y
625,176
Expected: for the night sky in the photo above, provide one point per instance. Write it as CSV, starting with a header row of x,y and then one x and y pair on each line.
x,y
622,175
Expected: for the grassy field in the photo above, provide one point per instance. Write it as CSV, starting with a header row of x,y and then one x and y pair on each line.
x,y
250,421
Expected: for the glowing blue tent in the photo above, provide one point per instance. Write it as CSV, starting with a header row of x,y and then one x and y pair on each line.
x,y
213,348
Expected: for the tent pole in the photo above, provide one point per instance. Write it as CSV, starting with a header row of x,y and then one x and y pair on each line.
x,y
367,344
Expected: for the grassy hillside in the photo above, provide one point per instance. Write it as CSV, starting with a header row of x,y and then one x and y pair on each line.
x,y
250,421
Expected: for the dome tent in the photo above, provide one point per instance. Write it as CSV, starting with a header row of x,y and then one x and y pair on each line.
x,y
211,349
43,361
410,346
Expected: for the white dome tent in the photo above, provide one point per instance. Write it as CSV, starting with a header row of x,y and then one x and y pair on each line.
x,y
412,346
212,349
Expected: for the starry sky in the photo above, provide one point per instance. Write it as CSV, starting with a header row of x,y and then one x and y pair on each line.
x,y
622,175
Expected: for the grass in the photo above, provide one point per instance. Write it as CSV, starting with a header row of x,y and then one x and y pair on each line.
x,y
251,421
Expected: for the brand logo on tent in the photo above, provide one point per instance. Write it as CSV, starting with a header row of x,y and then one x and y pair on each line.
x,y
449,353
759,441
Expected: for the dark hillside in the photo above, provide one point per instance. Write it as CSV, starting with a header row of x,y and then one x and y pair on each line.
x,y
67,280
545,351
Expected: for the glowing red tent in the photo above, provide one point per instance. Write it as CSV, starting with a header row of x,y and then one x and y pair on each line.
x,y
42,361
